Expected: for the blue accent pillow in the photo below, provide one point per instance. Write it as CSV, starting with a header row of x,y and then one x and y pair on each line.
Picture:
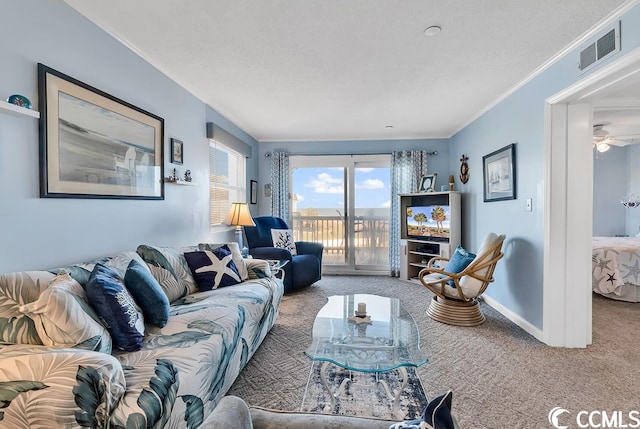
x,y
116,308
460,260
213,268
147,293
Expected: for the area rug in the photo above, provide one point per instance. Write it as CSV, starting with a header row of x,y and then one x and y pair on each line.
x,y
365,396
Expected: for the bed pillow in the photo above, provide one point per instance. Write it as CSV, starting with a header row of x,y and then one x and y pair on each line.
x,y
116,308
147,293
283,238
63,317
460,260
213,269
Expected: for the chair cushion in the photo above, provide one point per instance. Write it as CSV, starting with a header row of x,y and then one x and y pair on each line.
x,y
460,259
63,317
213,269
116,308
147,293
283,238
471,286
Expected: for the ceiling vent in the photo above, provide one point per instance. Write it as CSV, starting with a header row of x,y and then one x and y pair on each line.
x,y
606,44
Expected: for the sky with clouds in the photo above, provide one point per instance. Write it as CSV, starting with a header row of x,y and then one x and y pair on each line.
x,y
322,188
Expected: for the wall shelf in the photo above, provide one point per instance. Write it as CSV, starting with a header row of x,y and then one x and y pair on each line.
x,y
179,182
12,109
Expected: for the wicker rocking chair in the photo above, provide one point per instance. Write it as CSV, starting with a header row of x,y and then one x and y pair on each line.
x,y
457,303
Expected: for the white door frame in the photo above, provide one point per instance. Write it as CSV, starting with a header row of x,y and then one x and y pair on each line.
x,y
568,203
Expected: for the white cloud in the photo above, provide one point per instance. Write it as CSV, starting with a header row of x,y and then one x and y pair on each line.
x,y
386,204
364,169
324,183
370,184
298,197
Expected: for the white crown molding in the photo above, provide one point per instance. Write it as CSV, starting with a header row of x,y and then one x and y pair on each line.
x,y
606,21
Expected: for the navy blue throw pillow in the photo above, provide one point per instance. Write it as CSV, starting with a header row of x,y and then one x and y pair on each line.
x,y
147,293
460,260
116,308
436,415
213,269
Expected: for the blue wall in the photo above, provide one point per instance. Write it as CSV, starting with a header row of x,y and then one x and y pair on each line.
x,y
610,183
520,118
42,233
438,164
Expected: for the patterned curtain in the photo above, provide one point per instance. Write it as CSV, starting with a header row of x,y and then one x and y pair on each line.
x,y
280,185
406,168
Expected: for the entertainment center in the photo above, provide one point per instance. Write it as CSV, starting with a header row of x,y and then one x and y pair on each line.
x,y
429,226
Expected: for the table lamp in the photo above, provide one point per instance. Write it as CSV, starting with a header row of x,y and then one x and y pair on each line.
x,y
239,216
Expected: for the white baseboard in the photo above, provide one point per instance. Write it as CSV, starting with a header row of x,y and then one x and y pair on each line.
x,y
515,318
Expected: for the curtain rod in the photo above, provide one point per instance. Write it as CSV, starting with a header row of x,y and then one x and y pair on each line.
x,y
268,154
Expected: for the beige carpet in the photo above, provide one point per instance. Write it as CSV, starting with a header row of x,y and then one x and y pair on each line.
x,y
501,377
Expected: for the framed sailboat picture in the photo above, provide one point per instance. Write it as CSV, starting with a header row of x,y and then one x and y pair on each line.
x,y
499,171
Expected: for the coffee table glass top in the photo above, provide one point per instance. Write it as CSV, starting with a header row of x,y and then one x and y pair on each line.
x,y
389,340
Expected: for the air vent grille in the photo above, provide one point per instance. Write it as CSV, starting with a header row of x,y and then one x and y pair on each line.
x,y
606,44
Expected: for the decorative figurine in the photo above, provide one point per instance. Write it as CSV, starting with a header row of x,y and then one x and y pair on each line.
x,y
464,169
187,176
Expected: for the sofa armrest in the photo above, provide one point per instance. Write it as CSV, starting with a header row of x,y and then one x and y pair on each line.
x,y
309,248
258,268
82,386
230,413
273,253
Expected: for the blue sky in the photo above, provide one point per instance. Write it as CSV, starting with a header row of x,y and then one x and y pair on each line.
x,y
324,187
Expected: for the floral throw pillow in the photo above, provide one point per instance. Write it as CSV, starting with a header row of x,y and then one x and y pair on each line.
x,y
283,238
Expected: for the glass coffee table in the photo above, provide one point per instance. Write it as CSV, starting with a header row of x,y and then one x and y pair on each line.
x,y
387,339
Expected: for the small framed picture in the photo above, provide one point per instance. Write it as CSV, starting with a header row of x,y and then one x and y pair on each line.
x,y
499,171
176,151
254,192
427,183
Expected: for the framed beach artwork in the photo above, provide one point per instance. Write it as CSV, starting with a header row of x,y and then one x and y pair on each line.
x,y
94,145
499,171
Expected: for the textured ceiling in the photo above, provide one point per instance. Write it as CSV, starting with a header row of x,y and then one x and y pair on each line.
x,y
345,69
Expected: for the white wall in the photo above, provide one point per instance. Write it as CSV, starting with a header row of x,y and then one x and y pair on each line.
x,y
38,233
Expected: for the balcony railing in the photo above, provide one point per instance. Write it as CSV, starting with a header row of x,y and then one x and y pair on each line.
x,y
371,236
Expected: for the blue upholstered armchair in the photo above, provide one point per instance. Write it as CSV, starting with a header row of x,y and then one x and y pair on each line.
x,y
303,269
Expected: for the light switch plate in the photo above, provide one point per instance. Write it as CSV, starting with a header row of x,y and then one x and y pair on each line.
x,y
529,205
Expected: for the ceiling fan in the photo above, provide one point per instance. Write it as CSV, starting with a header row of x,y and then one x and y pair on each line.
x,y
602,140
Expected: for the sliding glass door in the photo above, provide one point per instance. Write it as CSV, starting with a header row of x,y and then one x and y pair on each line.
x,y
343,202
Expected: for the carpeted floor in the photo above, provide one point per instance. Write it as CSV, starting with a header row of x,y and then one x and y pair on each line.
x,y
501,377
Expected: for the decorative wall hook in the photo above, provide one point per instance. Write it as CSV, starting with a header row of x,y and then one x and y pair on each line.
x,y
464,169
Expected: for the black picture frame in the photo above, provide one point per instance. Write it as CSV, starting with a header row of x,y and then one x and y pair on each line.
x,y
94,145
499,174
177,151
254,192
427,183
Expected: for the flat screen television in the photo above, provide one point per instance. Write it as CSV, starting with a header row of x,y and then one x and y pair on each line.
x,y
428,222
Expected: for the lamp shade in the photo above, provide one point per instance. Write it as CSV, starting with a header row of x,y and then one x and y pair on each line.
x,y
239,215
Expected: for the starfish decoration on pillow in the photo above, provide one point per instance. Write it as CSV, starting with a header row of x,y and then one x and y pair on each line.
x,y
218,266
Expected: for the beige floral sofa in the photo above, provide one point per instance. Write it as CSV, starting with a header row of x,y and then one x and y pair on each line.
x,y
64,364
